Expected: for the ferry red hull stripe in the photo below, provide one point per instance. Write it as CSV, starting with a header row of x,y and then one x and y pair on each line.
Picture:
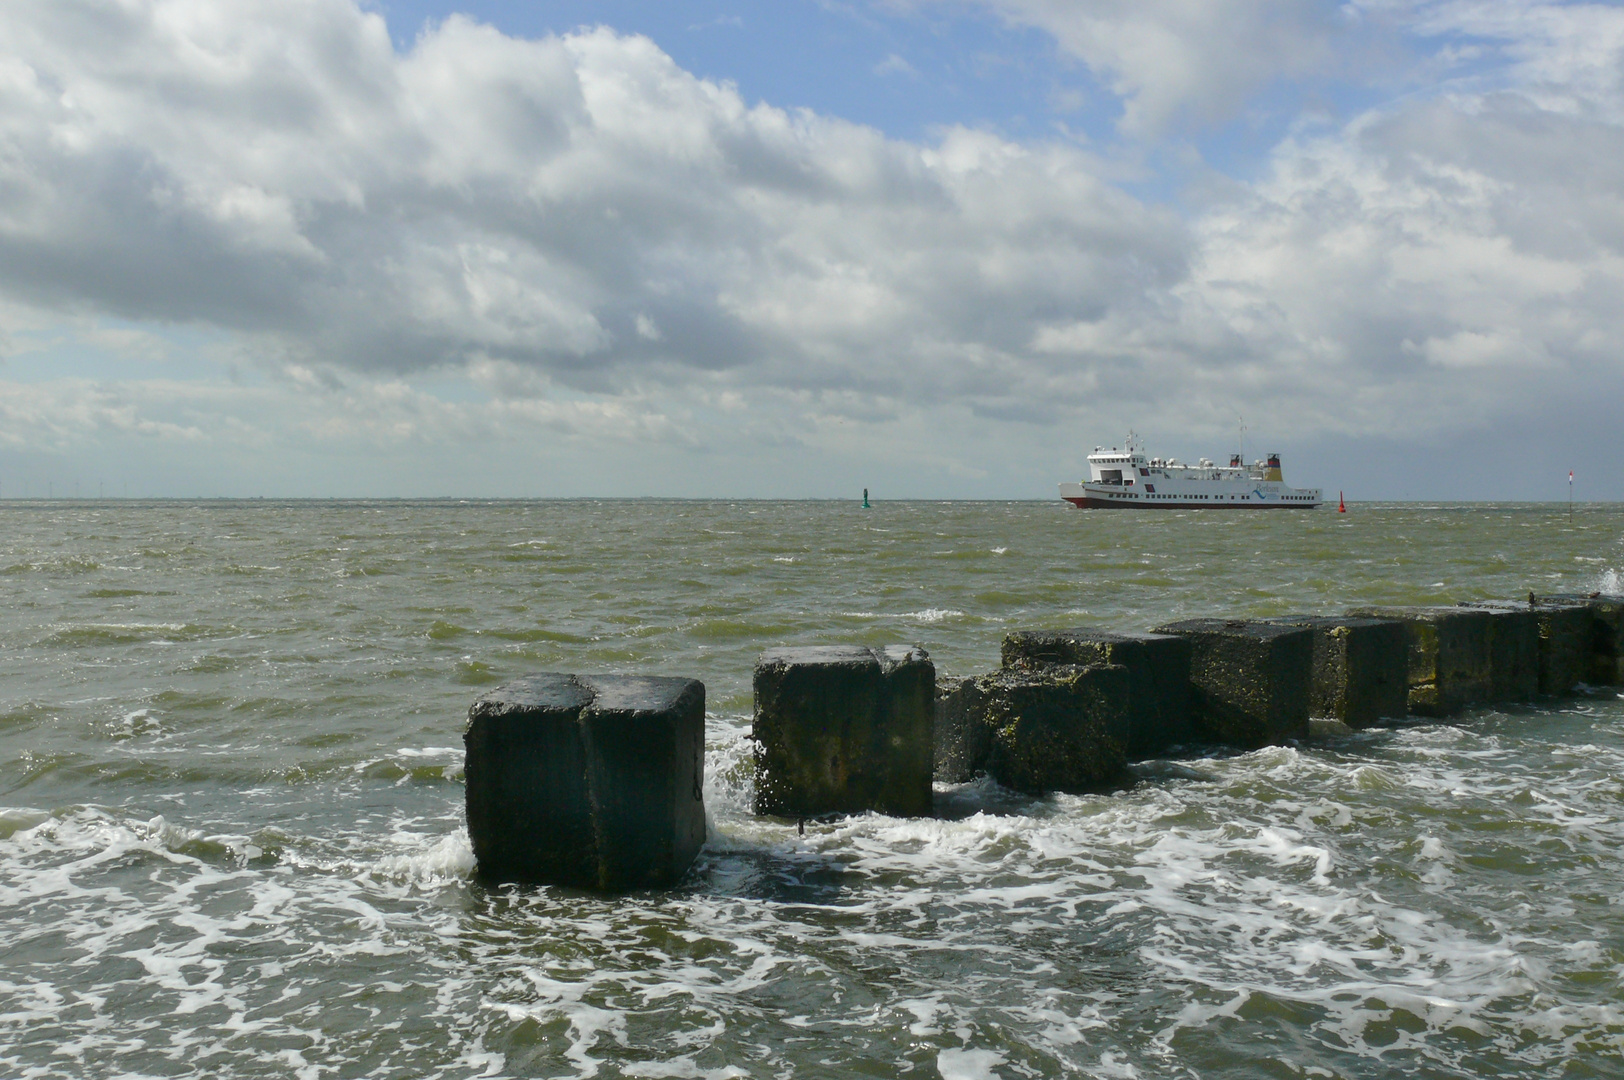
x,y
1086,503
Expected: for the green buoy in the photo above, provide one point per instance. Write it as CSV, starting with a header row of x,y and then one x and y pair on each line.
x,y
865,500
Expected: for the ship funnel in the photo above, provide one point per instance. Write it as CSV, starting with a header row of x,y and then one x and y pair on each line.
x,y
1272,470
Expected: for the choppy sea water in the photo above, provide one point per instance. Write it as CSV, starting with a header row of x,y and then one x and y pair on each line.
x,y
231,824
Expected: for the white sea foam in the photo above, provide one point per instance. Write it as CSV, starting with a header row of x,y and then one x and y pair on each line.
x,y
969,1064
436,861
933,615
925,615
136,723
431,752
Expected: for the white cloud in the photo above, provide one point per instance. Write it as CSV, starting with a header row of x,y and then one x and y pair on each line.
x,y
280,171
1563,56
1189,60
1443,263
605,251
62,415
894,64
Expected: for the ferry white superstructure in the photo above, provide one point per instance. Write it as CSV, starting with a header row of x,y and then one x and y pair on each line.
x,y
1129,480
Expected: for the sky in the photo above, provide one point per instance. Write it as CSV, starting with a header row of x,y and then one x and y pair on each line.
x,y
799,248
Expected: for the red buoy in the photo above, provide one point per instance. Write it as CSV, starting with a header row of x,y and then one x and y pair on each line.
x,y
1341,507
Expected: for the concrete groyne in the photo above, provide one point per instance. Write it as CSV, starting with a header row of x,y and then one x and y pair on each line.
x,y
597,781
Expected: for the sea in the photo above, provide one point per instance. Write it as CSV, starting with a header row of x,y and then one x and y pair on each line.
x,y
233,843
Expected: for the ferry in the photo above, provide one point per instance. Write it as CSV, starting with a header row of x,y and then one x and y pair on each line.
x,y
1128,480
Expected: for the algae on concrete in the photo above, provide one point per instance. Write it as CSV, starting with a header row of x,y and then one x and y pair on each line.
x,y
1565,646
1606,667
1562,643
1048,728
1159,704
1513,650
1251,679
844,729
1361,666
1449,656
962,739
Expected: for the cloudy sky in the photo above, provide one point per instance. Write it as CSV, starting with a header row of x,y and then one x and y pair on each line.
x,y
784,248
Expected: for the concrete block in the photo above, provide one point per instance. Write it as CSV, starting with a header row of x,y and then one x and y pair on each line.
x,y
843,730
1513,650
963,739
594,781
1251,679
1361,668
1159,701
1562,645
1606,663
1050,728
1565,646
1449,656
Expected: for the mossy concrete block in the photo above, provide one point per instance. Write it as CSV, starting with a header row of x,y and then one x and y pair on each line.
x,y
1449,656
1361,668
1565,646
1606,663
1513,650
1563,633
1251,679
843,730
1059,727
963,740
594,781
1159,701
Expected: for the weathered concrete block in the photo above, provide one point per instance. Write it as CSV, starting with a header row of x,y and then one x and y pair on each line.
x,y
1251,679
1563,632
1058,727
588,780
1159,702
1606,663
962,739
1513,650
1361,668
844,729
1565,646
1449,656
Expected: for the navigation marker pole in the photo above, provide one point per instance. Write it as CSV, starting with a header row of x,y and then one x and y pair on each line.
x,y
1341,504
865,499
1570,495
